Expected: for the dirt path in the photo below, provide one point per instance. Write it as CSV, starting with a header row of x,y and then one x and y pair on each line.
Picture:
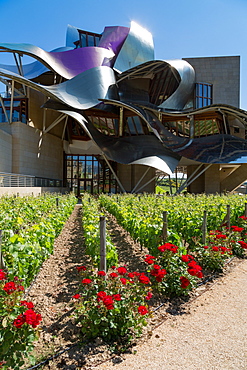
x,y
55,285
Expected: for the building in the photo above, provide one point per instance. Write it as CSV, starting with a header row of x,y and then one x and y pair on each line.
x,y
102,115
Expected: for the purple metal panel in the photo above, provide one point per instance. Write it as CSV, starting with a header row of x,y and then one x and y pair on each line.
x,y
113,38
79,60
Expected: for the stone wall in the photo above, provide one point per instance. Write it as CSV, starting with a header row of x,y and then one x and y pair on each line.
x,y
129,175
5,151
223,73
31,153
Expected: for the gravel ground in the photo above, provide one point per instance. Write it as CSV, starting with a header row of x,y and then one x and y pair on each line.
x,y
207,331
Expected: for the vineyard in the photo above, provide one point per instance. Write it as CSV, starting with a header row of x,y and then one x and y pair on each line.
x,y
187,238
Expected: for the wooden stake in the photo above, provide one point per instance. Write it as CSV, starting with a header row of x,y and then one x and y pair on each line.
x,y
2,264
102,244
228,216
204,228
165,226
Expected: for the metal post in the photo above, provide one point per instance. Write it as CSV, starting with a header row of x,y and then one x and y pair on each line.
x,y
12,101
2,264
4,110
102,244
204,228
57,202
142,177
165,226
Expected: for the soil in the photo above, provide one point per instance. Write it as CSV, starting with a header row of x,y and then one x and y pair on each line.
x,y
58,346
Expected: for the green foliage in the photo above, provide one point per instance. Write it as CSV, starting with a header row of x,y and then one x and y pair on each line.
x,y
91,229
112,306
29,226
18,324
142,216
173,272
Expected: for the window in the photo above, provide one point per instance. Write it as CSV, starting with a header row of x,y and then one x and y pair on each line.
x,y
19,110
87,39
89,173
204,95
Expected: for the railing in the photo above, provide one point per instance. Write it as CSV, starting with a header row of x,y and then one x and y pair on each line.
x,y
16,180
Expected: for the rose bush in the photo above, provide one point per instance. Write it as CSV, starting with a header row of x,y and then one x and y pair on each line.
x,y
173,272
18,324
112,305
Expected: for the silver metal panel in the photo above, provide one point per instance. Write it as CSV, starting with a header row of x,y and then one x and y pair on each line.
x,y
32,70
180,97
67,64
81,92
145,149
159,163
72,35
138,48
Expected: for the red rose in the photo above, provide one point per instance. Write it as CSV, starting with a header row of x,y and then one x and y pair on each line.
x,y
184,282
148,296
185,258
108,302
135,273
101,295
101,273
156,267
86,281
237,228
243,244
113,275
122,270
168,246
123,281
243,217
76,296
224,249
117,297
81,268
149,259
215,249
32,318
10,287
27,304
160,275
131,275
3,275
220,236
195,269
19,321
142,310
144,279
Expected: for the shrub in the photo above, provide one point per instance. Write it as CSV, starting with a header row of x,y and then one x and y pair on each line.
x,y
173,273
18,324
112,305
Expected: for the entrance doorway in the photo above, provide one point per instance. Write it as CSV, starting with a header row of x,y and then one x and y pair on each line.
x,y
89,173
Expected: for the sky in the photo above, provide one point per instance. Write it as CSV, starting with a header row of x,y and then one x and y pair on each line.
x,y
180,28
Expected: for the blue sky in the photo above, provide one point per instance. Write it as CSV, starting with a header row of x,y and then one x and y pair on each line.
x,y
180,28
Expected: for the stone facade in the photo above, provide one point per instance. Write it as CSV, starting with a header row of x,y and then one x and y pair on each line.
x,y
25,150
5,151
129,175
223,73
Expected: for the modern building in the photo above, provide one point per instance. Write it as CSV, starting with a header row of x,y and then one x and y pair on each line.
x,y
102,115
